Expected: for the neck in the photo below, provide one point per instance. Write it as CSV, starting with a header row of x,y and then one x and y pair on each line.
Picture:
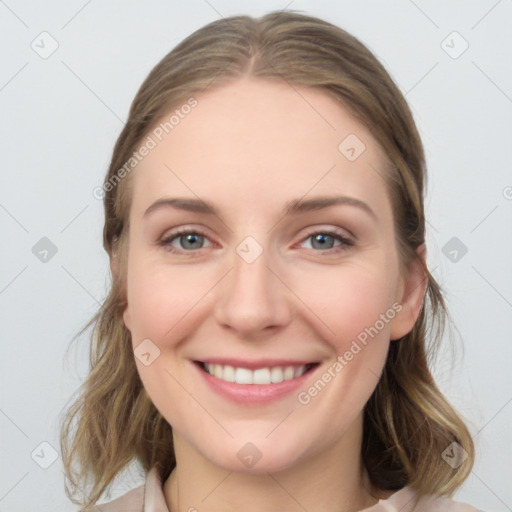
x,y
330,481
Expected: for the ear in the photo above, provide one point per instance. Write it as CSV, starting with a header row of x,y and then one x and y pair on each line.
x,y
114,264
410,296
127,318
115,268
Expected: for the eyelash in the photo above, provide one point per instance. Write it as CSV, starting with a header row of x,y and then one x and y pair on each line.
x,y
166,242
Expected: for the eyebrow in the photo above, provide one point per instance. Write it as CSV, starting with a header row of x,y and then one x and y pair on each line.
x,y
292,207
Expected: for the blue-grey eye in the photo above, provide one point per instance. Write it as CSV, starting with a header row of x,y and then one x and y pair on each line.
x,y
324,241
190,241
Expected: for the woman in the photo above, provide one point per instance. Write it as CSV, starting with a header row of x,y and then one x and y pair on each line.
x,y
279,362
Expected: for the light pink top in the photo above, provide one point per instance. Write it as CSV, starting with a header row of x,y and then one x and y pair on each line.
x,y
150,498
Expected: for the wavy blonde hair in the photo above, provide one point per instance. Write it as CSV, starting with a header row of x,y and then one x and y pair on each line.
x,y
407,421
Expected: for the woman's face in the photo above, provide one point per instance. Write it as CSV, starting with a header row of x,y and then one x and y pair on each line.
x,y
270,280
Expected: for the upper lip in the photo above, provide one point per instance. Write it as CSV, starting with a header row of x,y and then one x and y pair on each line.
x,y
255,364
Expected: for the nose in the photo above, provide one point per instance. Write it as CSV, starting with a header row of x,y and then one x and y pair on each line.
x,y
253,299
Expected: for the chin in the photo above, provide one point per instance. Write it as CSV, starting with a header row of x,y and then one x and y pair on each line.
x,y
259,457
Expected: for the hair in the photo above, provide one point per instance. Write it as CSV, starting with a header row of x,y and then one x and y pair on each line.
x,y
408,422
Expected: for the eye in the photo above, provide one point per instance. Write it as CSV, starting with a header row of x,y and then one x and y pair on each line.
x,y
324,240
189,240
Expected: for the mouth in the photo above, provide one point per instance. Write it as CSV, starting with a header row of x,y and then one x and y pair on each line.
x,y
262,376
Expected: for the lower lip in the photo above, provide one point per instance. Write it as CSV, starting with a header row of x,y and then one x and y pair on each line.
x,y
253,393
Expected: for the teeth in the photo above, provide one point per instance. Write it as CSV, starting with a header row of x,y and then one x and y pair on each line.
x,y
260,376
242,375
298,372
276,374
288,372
228,374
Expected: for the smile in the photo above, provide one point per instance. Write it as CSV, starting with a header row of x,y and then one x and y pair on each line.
x,y
260,376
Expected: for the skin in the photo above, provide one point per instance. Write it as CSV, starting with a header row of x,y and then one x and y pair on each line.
x,y
249,147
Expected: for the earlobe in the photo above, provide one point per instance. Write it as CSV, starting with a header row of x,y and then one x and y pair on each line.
x,y
411,297
127,318
114,268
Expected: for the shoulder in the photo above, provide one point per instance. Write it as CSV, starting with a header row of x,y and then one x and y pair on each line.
x,y
448,505
403,501
147,497
132,501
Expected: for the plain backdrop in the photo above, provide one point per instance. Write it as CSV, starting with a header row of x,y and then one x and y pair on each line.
x,y
69,71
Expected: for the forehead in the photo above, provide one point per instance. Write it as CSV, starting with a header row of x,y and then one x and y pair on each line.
x,y
255,138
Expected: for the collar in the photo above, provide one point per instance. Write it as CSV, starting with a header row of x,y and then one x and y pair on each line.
x,y
154,499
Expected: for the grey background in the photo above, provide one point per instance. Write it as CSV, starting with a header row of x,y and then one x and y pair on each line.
x,y
60,117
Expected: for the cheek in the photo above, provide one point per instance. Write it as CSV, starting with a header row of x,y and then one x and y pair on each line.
x,y
159,296
346,299
349,299
356,304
